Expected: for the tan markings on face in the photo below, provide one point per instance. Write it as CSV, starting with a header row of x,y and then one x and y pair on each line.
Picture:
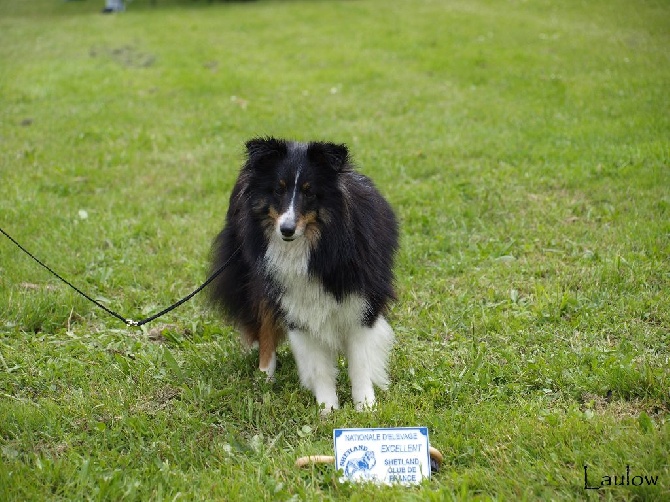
x,y
306,186
270,223
311,229
282,184
309,217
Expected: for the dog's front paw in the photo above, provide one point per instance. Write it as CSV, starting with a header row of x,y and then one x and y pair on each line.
x,y
366,404
328,408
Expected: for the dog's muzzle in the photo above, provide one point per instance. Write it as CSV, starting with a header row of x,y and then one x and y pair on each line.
x,y
287,230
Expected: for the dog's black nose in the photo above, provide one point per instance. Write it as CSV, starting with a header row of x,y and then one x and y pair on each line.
x,y
287,230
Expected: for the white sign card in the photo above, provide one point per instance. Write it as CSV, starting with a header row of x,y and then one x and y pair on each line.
x,y
390,455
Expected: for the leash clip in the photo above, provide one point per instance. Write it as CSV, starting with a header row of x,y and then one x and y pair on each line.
x,y
130,322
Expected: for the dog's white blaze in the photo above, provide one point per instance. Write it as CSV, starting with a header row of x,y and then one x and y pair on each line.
x,y
328,327
288,216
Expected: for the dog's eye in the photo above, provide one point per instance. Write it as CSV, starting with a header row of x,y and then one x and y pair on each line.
x,y
281,188
307,192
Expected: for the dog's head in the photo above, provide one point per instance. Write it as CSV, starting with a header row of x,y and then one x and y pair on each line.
x,y
370,460
293,186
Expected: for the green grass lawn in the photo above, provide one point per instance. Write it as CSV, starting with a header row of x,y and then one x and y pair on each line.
x,y
525,146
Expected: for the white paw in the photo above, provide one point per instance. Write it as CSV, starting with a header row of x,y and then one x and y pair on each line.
x,y
269,370
328,408
366,404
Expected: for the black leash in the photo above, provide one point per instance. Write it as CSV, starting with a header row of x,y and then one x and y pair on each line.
x,y
129,322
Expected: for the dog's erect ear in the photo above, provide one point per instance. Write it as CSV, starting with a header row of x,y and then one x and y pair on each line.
x,y
329,154
262,151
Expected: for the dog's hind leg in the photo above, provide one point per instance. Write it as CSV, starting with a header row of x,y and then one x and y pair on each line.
x,y
368,350
267,361
269,336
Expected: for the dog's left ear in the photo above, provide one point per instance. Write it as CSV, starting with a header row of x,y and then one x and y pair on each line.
x,y
330,154
264,151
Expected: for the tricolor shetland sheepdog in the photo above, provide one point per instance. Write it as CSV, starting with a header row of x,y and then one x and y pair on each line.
x,y
315,244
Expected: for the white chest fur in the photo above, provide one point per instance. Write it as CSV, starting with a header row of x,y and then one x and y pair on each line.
x,y
306,303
